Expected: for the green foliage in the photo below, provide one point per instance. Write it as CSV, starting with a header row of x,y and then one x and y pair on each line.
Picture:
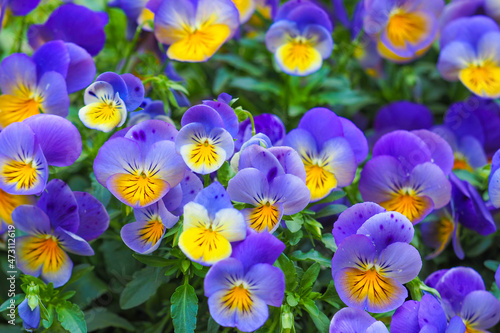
x,y
184,308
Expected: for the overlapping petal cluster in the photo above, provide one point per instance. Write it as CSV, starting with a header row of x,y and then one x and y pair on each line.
x,y
374,258
300,37
62,221
269,124
408,173
355,320
330,148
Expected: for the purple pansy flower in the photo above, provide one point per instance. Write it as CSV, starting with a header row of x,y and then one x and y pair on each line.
x,y
31,317
108,100
405,28
408,173
465,8
424,316
266,180
469,53
205,140
28,148
211,224
61,221
374,258
330,148
300,37
141,167
267,123
402,115
240,288
466,208
42,83
74,24
463,294
151,110
355,320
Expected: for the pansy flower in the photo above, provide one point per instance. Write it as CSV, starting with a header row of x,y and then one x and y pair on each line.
x,y
205,140
144,236
467,8
151,110
185,192
246,8
374,258
426,315
195,30
211,224
355,320
469,53
62,221
408,173
263,182
240,288
41,84
108,100
463,294
330,148
269,124
405,29
74,24
300,37
28,148
141,167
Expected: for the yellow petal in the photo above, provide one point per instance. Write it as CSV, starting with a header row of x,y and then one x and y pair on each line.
x,y
204,245
482,79
298,57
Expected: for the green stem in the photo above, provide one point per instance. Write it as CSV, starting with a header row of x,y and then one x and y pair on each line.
x,y
206,179
18,43
249,114
131,48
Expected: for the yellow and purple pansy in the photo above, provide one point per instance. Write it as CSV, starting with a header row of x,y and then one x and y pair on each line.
x,y
108,100
240,288
195,29
73,24
41,83
405,29
408,173
374,258
330,148
141,167
300,37
470,53
205,140
211,225
273,182
62,221
28,148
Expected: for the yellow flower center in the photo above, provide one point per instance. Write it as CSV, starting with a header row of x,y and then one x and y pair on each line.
x,y
238,297
152,232
407,202
264,217
23,174
406,27
482,78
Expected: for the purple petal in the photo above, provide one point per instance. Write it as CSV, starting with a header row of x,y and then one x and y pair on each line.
x,y
135,91
16,140
31,220
468,30
441,152
430,181
249,185
94,218
456,325
191,185
214,198
350,220
291,191
453,58
262,159
438,234
290,161
473,152
356,139
494,189
433,279
60,276
462,120
81,71
22,8
403,115
405,319
322,124
431,312
203,114
267,283
340,160
60,205
279,33
227,114
386,228
400,261
118,155
304,13
353,250
59,139
220,275
17,70
55,95
31,319
73,243
116,81
458,9
481,310
163,161
52,56
173,198
149,132
257,248
25,265
377,327
351,320
302,141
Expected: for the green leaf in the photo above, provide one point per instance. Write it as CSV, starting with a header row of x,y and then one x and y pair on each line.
x,y
144,285
321,321
291,300
99,318
309,277
17,300
310,307
154,261
225,173
492,265
71,317
213,327
87,289
333,209
329,242
312,255
295,224
184,308
288,268
49,319
313,226
331,297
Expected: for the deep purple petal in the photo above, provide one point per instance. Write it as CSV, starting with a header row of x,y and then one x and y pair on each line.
x,y
291,191
117,82
456,325
135,91
267,283
149,132
52,56
249,185
31,319
31,220
81,70
356,139
441,152
262,159
22,8
468,30
405,319
203,114
433,279
494,188
227,114
403,115
386,228
59,139
462,120
290,161
432,313
94,218
73,243
258,248
190,186
322,124
214,198
60,205
481,309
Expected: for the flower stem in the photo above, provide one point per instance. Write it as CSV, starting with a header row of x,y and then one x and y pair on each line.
x,y
131,48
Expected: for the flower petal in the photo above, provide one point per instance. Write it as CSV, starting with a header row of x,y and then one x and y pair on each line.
x,y
73,243
94,218
258,248
249,186
60,205
31,220
267,283
400,261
